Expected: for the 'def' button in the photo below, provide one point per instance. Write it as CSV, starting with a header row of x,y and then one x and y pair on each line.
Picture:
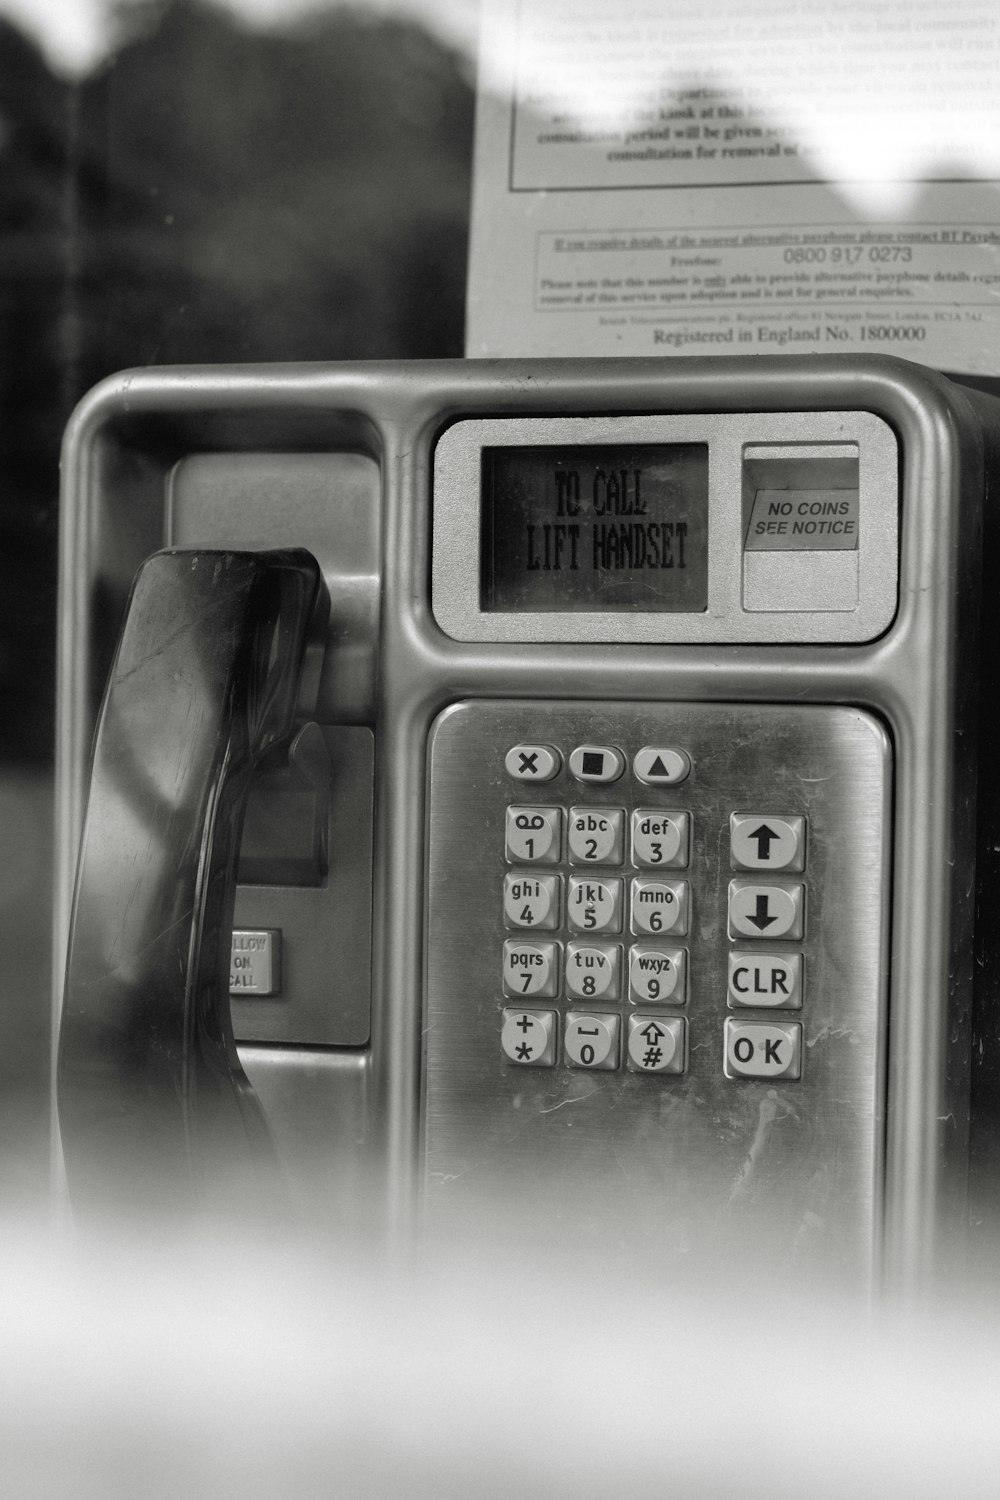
x,y
255,963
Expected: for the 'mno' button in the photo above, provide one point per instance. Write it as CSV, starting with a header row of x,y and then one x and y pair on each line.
x,y
763,1049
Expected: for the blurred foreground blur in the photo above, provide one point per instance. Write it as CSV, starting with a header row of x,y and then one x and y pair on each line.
x,y
231,1362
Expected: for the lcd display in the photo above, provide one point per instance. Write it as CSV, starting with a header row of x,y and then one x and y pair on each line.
x,y
593,529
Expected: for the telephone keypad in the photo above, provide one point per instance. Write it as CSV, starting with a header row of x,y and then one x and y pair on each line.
x,y
591,1041
528,1037
657,910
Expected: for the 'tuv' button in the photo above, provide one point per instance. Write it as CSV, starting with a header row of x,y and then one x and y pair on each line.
x,y
762,1049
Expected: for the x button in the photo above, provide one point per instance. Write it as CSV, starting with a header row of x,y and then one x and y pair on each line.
x,y
532,762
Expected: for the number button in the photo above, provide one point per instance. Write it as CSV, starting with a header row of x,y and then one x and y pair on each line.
x,y
531,900
591,1041
660,839
592,972
657,975
656,1045
533,835
594,905
595,835
659,906
530,969
528,1038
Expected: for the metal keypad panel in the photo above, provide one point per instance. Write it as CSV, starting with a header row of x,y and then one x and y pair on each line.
x,y
669,987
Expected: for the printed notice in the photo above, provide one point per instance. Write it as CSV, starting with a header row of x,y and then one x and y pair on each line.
x,y
758,176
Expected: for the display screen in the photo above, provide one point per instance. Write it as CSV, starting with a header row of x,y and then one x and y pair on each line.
x,y
592,529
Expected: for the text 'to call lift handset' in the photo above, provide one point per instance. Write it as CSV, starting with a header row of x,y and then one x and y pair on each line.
x,y
626,872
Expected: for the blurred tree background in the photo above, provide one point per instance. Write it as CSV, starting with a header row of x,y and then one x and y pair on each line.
x,y
210,192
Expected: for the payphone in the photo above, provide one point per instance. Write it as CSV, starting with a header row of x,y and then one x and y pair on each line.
x,y
623,866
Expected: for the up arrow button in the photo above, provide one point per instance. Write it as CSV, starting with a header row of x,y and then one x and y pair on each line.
x,y
760,841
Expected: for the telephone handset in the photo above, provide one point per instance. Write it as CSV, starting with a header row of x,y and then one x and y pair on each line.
x,y
204,685
644,888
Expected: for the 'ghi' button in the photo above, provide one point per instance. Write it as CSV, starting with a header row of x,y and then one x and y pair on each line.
x,y
531,900
532,762
596,763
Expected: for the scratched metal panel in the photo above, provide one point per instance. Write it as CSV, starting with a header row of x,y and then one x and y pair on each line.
x,y
651,1166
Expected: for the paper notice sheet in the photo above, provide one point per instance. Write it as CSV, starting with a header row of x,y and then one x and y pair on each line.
x,y
753,176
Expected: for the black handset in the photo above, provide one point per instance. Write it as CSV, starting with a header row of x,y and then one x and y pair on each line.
x,y
154,1103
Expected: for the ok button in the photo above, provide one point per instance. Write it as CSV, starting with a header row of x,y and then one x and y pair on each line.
x,y
760,1049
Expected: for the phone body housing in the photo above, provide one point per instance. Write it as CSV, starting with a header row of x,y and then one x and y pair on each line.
x,y
868,669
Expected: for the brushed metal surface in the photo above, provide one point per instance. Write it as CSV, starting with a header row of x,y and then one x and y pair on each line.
x,y
654,1165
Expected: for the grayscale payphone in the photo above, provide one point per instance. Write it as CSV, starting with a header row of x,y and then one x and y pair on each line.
x,y
623,864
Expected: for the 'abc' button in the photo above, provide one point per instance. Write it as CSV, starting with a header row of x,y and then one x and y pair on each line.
x,y
762,1049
